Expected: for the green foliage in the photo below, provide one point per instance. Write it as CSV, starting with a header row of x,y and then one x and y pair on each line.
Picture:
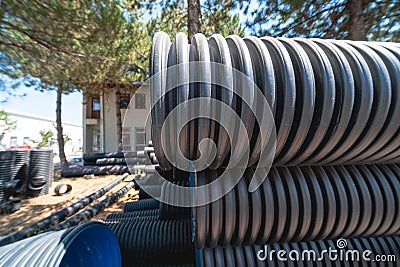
x,y
85,45
93,45
46,138
170,16
216,16
6,124
66,138
321,18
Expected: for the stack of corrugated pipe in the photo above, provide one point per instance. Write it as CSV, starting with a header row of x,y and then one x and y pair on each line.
x,y
329,181
120,158
41,172
111,163
24,173
152,233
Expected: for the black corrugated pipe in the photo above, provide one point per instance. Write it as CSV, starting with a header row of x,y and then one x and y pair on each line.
x,y
95,170
169,193
134,214
133,219
381,251
121,161
60,215
154,242
150,191
91,158
145,204
7,159
41,172
95,156
90,244
302,204
92,211
21,171
331,101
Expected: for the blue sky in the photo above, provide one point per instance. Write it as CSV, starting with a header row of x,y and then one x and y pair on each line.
x,y
44,104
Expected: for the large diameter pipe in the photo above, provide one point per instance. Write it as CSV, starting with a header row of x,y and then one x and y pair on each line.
x,y
92,211
332,101
89,244
262,255
60,215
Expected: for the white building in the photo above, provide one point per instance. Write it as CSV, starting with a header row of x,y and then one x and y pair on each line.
x,y
28,127
99,121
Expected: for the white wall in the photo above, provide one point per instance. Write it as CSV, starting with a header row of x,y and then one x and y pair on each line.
x,y
131,118
29,125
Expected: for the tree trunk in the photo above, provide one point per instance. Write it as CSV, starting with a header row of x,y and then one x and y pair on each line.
x,y
118,118
193,18
60,136
356,25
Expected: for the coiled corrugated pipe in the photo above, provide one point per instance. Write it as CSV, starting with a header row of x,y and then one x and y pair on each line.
x,y
303,204
21,170
40,172
307,253
155,242
89,244
60,215
333,102
7,159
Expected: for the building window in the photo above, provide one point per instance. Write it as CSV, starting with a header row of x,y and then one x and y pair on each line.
x,y
126,139
125,99
140,138
96,141
13,141
96,103
140,101
25,141
95,108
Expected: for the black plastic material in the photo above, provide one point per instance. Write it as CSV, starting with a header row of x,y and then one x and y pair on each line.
x,y
334,102
95,170
314,253
149,191
7,159
154,242
92,211
303,204
58,189
41,172
168,194
145,204
134,214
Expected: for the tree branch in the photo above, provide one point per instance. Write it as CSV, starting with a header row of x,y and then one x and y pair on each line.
x,y
291,27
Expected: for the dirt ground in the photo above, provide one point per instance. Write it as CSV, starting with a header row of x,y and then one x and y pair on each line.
x,y
35,209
